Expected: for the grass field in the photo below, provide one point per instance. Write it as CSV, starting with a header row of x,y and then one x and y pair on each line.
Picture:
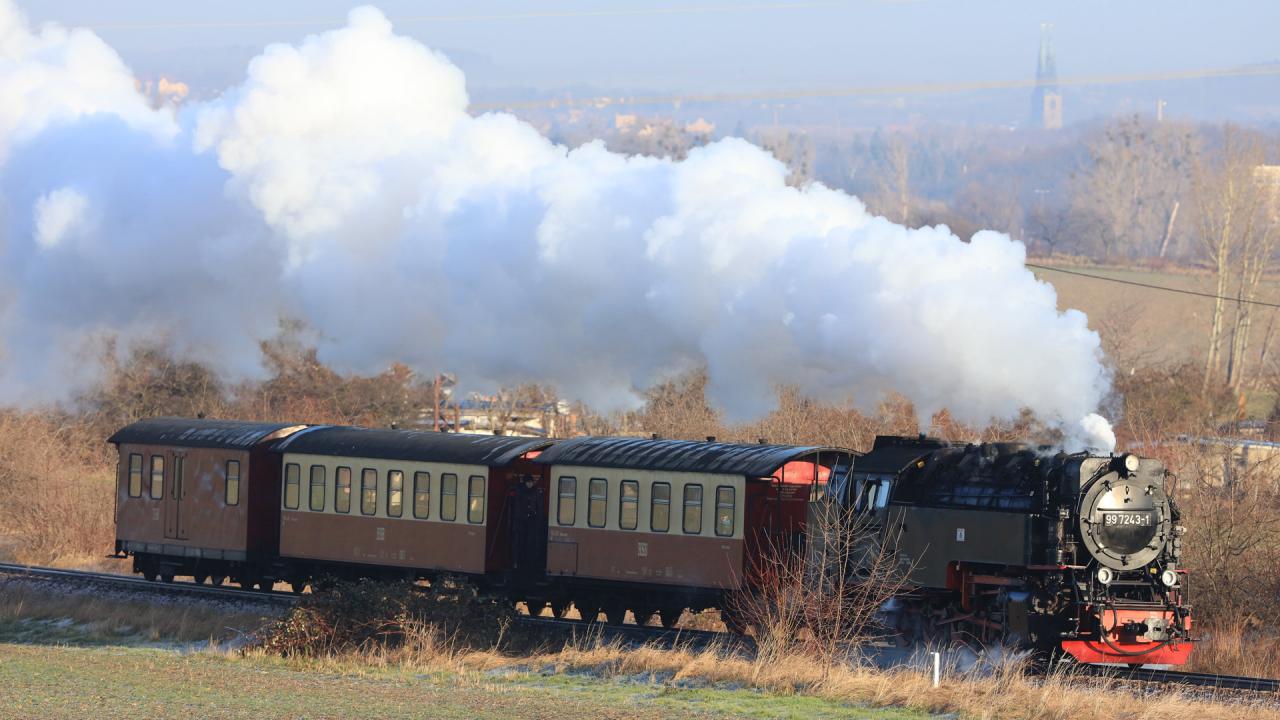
x,y
39,681
1149,326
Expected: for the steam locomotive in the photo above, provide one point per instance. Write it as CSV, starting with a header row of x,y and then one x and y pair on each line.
x,y
1070,553
1065,553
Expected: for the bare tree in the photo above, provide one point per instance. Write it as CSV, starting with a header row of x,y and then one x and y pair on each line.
x,y
892,156
795,150
1237,240
1132,184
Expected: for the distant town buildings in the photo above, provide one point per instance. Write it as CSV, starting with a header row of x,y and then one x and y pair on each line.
x,y
163,92
1046,100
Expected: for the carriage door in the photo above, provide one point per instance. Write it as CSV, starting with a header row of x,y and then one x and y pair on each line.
x,y
174,525
760,531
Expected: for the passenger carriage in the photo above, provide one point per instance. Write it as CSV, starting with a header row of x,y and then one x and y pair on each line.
x,y
651,525
358,501
197,497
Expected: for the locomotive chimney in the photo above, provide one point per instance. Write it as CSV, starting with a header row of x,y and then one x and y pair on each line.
x,y
711,438
655,436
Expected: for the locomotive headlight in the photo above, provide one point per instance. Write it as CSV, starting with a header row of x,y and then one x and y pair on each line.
x,y
1169,578
1131,462
1105,575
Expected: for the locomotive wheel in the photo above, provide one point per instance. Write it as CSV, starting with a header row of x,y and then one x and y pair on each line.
x,y
535,607
216,580
559,608
199,578
149,575
297,586
166,577
590,613
266,585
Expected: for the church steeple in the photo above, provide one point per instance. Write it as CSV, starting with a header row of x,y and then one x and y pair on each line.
x,y
1046,101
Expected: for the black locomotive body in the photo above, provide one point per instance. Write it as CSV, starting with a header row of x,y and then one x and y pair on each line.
x,y
1062,552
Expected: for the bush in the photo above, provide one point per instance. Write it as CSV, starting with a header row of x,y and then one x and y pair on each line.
x,y
369,616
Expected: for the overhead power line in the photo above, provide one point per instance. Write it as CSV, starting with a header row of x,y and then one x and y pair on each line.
x,y
1165,288
1266,70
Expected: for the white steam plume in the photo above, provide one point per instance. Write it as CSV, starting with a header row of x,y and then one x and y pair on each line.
x,y
344,183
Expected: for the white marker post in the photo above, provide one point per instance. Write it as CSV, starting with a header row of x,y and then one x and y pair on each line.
x,y
937,669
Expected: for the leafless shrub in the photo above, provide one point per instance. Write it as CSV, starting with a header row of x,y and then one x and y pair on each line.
x,y
826,603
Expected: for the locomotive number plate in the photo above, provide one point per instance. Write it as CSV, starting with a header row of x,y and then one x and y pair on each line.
x,y
1112,519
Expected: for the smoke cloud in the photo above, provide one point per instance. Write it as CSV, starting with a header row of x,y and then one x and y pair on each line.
x,y
344,183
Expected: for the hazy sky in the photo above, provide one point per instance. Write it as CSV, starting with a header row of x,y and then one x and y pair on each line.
x,y
705,45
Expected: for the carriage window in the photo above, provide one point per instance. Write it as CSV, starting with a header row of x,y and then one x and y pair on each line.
x,y
157,477
421,495
135,476
475,499
395,493
233,482
315,497
660,508
342,490
693,509
724,511
448,496
567,507
629,505
597,502
368,491
292,477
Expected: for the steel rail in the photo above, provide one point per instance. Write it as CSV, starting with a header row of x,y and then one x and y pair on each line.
x,y
1179,677
188,589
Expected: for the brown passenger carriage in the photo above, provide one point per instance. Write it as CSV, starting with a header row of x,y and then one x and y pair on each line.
x,y
197,497
404,503
652,525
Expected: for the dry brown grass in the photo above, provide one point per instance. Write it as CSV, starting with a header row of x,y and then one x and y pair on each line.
x,y
1237,649
1007,694
56,489
94,617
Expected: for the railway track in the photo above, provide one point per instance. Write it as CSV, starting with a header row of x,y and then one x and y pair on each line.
x,y
85,578
1179,677
632,634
